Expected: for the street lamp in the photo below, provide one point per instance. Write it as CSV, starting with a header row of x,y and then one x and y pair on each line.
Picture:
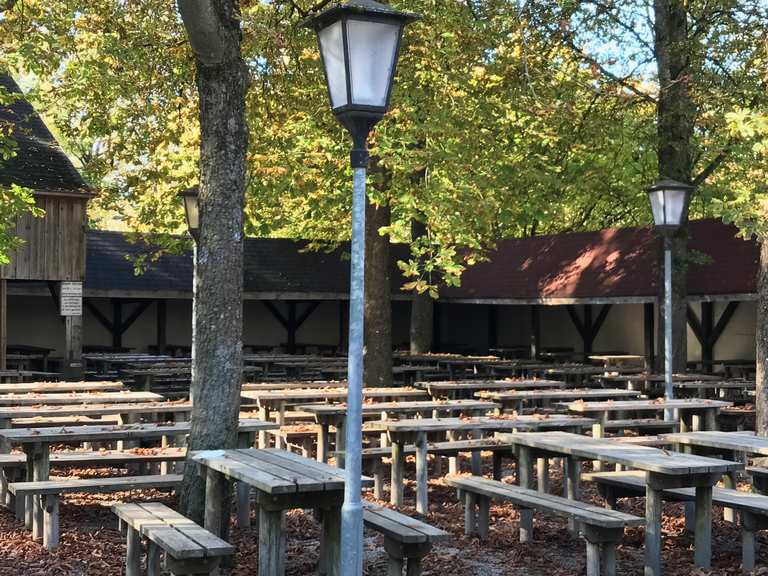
x,y
669,204
359,44
192,211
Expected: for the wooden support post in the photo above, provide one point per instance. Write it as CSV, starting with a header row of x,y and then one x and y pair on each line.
x,y
3,323
243,491
535,331
73,354
542,475
133,556
162,325
322,442
453,461
40,472
707,327
483,516
396,480
593,559
271,542
492,325
470,516
649,320
573,481
588,330
748,541
215,506
117,322
153,559
291,328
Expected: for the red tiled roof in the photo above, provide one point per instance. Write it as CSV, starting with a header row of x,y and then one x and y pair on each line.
x,y
613,263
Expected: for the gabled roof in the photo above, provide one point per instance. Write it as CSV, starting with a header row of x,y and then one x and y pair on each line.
x,y
39,162
607,265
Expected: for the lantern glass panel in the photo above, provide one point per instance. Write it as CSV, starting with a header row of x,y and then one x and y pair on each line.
x,y
372,53
332,47
657,207
192,210
674,203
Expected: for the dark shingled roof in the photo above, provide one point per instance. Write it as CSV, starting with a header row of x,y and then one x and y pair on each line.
x,y
615,263
39,163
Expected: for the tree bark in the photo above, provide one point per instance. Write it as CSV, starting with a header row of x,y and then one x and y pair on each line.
x,y
422,309
761,395
378,305
675,118
213,28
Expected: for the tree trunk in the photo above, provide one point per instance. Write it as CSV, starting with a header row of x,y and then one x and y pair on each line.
x,y
213,29
675,114
422,308
761,396
378,306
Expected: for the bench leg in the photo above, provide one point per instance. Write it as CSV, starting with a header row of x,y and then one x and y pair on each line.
x,y
703,537
422,484
542,474
497,465
748,549
453,461
51,521
40,472
470,500
690,517
243,505
271,542
653,506
526,525
483,516
573,488
593,559
153,559
729,481
133,555
378,479
608,558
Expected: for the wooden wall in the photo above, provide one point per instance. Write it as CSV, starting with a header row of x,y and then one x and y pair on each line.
x,y
54,245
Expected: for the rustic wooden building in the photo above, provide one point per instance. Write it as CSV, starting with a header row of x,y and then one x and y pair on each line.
x,y
54,245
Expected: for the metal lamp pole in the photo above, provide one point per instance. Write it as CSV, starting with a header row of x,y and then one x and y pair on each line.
x,y
192,214
669,391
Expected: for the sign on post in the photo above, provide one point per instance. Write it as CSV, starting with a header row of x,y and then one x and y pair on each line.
x,y
71,299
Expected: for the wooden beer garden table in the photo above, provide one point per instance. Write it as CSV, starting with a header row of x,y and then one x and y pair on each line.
x,y
517,398
694,414
415,431
33,399
47,387
36,443
613,360
277,400
284,481
649,378
715,389
664,470
327,415
466,388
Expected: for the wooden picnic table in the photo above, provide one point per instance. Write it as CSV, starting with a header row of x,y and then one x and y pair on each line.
x,y
44,387
580,373
694,413
415,431
465,388
612,360
284,481
518,398
664,469
648,379
327,415
36,443
33,398
277,400
293,385
728,389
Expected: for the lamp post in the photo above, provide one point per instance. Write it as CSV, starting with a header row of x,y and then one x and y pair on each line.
x,y
359,44
669,203
192,213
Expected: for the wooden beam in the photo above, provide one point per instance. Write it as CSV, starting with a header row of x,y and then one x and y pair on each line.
x,y
707,326
600,320
576,320
723,321
588,331
291,327
693,322
3,323
103,320
308,311
137,312
162,325
117,321
493,332
276,313
649,320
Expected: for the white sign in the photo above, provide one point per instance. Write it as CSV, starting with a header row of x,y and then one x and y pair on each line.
x,y
71,298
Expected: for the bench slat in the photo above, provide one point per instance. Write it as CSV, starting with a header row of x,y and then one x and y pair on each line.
x,y
399,526
117,484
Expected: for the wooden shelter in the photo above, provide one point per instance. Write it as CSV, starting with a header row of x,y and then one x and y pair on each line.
x,y
54,245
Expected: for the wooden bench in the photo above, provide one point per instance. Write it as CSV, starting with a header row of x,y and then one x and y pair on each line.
x,y
752,507
189,548
406,540
50,491
637,424
601,528
759,478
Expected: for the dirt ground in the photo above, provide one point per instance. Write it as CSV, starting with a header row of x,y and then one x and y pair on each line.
x,y
92,546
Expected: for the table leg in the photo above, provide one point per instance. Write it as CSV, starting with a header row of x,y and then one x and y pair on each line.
x,y
323,436
598,431
341,441
653,506
215,507
384,438
243,491
710,419
271,542
453,461
280,441
330,541
573,486
396,483
729,481
263,415
525,479
542,475
5,448
703,537
40,473
422,486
